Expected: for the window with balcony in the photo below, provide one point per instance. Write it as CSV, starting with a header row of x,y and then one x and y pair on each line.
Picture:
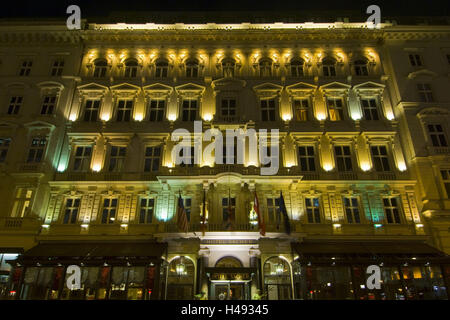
x,y
228,67
297,67
360,68
228,209
71,210
380,158
192,68
391,209
370,109
100,67
146,210
189,110
57,68
91,110
131,68
4,147
124,110
14,104
312,206
306,158
273,210
335,108
37,149
48,105
415,60
161,69
156,110
228,109
152,159
425,93
437,135
109,210
82,158
268,110
22,201
329,67
445,175
351,207
265,67
25,68
117,159
301,107
343,158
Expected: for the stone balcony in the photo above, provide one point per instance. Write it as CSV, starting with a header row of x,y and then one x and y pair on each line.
x,y
20,225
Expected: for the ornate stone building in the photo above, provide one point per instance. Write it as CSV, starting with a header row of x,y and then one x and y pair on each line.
x,y
88,176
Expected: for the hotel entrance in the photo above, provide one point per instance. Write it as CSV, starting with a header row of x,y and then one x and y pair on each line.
x,y
229,290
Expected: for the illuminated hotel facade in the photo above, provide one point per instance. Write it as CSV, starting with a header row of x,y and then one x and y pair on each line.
x,y
88,176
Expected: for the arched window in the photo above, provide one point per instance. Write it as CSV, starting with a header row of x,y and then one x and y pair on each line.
x,y
297,67
277,279
180,280
228,66
265,67
131,67
361,67
100,66
192,68
162,69
228,262
329,67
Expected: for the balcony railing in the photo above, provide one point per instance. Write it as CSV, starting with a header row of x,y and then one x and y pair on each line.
x,y
20,224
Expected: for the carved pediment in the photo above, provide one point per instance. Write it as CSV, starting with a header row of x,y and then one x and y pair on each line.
x,y
39,125
267,90
157,90
50,86
422,74
433,112
369,87
228,84
301,88
125,87
190,90
92,89
335,86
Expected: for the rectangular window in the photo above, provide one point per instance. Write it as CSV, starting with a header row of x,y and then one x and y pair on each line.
x,y
57,68
71,211
124,110
425,93
351,208
228,109
312,206
14,105
228,207
22,202
335,109
48,105
301,107
82,158
306,158
448,58
4,147
230,152
380,158
268,110
91,110
369,108
147,208
117,159
391,209
273,210
437,135
25,68
152,159
188,159
445,174
156,110
190,110
343,158
109,210
415,60
37,148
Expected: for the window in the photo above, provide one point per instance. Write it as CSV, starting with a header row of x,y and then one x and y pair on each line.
x,y
48,105
343,158
162,69
415,60
445,174
312,210
329,67
391,209
437,135
187,160
265,68
273,210
369,108
425,93
147,207
448,58
25,68
361,68
187,207
228,208
4,147
152,159
335,109
124,110
228,68
301,109
190,108
37,148
191,69
117,158
156,110
297,68
131,68
57,68
22,202
71,211
268,109
100,66
109,210
82,158
228,109
380,158
306,158
351,208
230,152
14,105
91,110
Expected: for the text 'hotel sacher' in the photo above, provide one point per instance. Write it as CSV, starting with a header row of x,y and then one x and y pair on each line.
x,y
88,177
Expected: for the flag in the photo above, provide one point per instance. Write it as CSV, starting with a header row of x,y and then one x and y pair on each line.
x,y
204,213
283,210
230,214
261,224
181,215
